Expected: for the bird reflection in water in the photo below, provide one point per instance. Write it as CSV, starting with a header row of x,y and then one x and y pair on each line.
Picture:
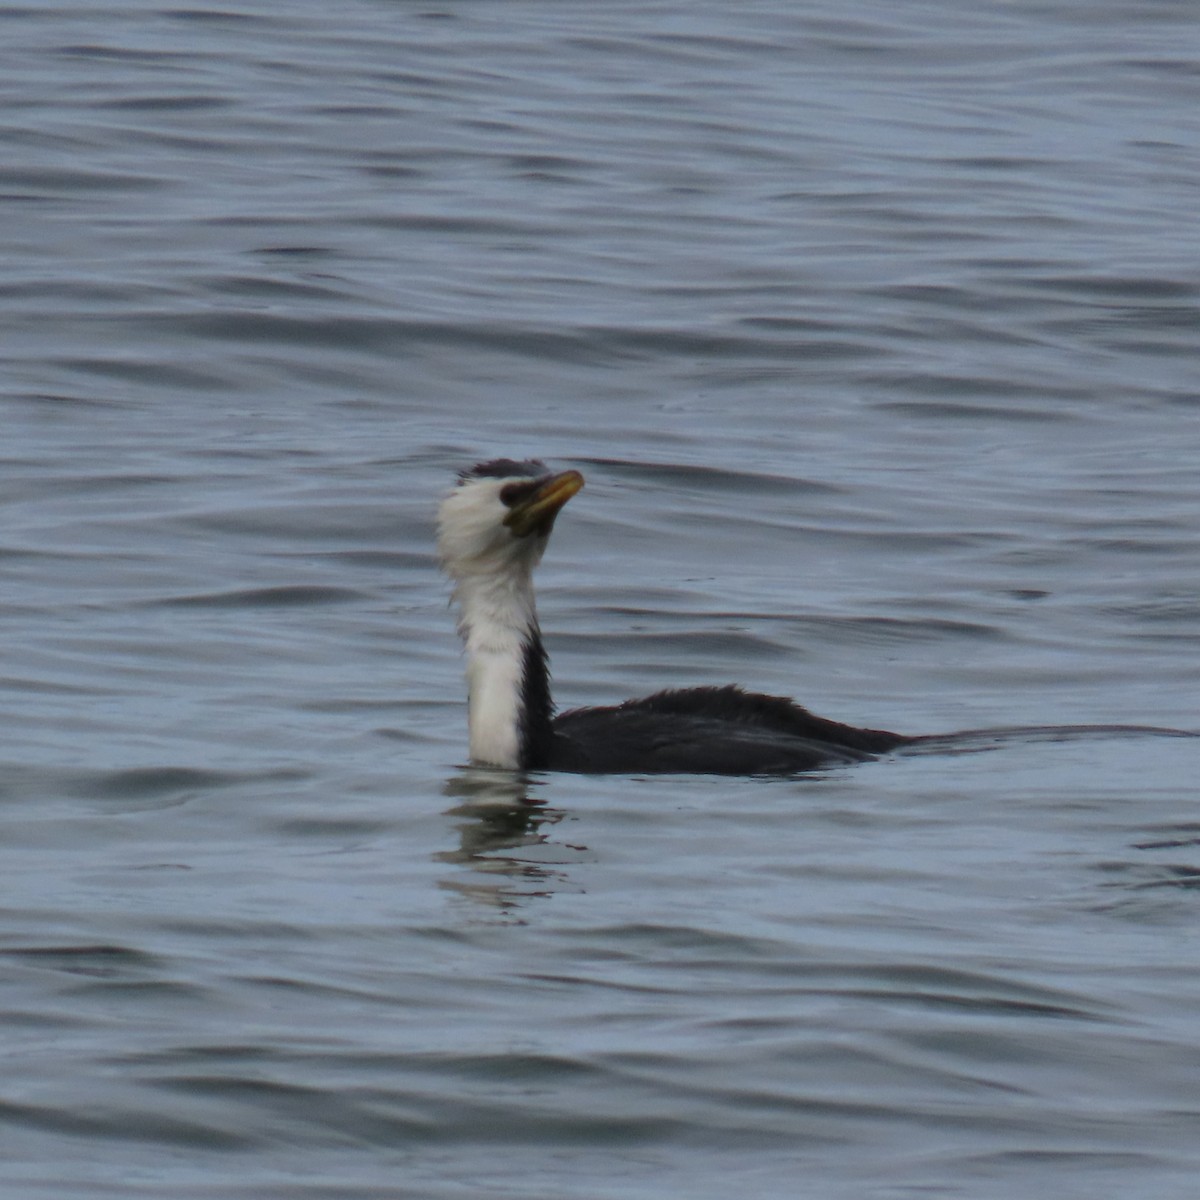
x,y
504,840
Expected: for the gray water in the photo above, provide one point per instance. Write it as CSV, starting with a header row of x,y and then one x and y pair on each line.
x,y
874,330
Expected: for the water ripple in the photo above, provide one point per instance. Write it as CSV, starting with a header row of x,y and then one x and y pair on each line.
x,y
872,328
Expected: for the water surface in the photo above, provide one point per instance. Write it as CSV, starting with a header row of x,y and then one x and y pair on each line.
x,y
874,334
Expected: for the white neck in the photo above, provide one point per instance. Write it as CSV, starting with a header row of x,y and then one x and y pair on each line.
x,y
498,620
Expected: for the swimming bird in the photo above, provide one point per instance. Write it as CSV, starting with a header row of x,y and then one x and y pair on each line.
x,y
493,529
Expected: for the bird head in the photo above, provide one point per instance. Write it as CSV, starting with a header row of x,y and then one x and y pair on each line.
x,y
499,516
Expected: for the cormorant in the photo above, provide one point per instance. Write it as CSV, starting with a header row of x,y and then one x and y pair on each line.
x,y
493,529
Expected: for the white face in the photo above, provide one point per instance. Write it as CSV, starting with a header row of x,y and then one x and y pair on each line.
x,y
472,535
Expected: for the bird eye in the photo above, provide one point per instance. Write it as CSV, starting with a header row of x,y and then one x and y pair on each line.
x,y
513,493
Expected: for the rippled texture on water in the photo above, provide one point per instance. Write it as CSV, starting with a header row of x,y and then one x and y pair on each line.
x,y
874,330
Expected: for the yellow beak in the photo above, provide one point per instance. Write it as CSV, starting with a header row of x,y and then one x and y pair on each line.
x,y
535,513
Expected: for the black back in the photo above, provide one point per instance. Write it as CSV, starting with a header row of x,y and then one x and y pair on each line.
x,y
709,730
